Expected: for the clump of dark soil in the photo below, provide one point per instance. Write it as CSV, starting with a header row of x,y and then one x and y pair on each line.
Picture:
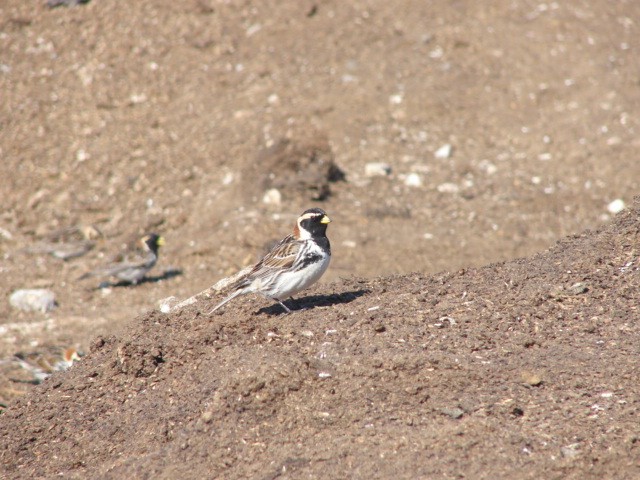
x,y
525,368
303,169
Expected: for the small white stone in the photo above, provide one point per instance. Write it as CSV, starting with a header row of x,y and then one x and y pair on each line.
x,y
448,187
6,234
349,244
166,304
413,180
324,375
37,299
228,178
395,99
444,151
272,197
488,167
137,98
616,206
82,155
253,29
377,169
437,52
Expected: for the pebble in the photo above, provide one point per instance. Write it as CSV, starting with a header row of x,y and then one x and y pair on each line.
x,y
448,187
578,288
531,378
413,180
6,234
444,151
571,451
377,169
38,300
616,206
166,304
454,413
207,416
272,197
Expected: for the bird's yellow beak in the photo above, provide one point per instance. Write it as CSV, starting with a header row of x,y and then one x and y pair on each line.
x,y
325,220
160,241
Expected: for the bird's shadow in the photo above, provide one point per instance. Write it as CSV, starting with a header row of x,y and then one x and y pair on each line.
x,y
313,301
167,274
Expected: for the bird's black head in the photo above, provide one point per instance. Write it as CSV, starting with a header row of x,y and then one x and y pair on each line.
x,y
312,223
153,242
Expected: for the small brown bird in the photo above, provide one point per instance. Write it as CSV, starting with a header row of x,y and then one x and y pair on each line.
x,y
132,265
293,264
66,243
41,364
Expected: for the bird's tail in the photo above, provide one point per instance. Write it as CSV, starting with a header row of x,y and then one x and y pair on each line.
x,y
226,300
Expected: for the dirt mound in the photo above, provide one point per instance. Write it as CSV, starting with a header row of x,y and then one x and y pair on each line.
x,y
525,366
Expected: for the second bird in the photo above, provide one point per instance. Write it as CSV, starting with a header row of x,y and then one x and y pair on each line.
x,y
295,263
132,265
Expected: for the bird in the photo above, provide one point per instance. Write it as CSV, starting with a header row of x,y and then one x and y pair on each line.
x,y
41,364
133,264
293,264
66,243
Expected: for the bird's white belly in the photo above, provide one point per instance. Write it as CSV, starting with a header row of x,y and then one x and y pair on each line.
x,y
291,283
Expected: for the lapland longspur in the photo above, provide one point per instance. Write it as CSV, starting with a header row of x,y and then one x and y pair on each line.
x,y
133,264
41,364
66,243
293,264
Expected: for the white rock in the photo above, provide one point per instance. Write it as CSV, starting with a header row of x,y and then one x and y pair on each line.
x,y
396,99
228,178
444,151
137,98
377,169
37,299
448,187
413,180
82,155
273,99
272,197
6,234
488,167
616,206
166,304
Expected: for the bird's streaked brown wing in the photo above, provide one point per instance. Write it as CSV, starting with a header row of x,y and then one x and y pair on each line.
x,y
281,257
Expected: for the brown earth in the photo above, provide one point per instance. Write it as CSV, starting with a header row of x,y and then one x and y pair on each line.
x,y
178,117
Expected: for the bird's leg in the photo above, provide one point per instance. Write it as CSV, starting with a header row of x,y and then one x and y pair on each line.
x,y
286,309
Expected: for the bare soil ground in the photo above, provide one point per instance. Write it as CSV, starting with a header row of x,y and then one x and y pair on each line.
x,y
454,334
